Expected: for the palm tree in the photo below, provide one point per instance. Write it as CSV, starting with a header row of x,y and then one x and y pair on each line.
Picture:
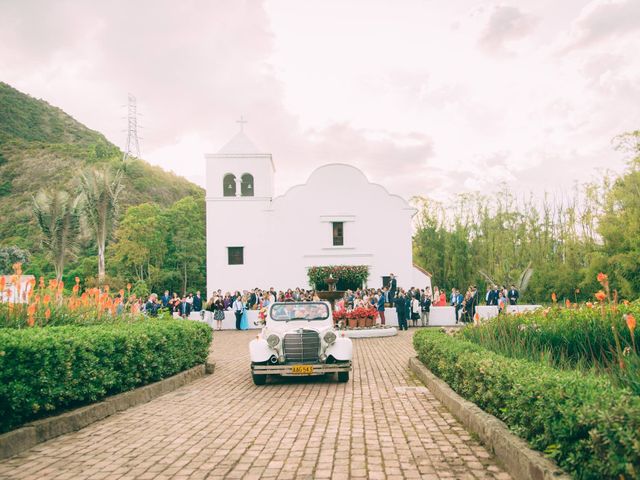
x,y
100,191
58,217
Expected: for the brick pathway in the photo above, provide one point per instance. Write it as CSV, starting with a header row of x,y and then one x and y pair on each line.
x,y
222,426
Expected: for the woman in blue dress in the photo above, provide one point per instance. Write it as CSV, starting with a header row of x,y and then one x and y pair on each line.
x,y
244,320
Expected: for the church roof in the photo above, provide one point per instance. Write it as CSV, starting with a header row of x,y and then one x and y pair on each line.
x,y
239,145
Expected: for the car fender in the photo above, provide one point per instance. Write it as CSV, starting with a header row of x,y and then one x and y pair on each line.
x,y
341,349
259,350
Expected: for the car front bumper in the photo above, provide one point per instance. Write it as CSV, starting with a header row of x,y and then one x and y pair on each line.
x,y
286,370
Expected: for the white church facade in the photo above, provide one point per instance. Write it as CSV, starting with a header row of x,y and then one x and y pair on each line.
x,y
338,217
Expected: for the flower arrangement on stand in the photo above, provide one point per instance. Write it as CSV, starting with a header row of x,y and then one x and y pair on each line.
x,y
347,276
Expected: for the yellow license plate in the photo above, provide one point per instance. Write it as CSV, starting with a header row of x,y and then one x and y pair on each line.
x,y
302,369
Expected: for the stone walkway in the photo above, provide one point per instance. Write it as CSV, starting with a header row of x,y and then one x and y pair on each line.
x,y
382,424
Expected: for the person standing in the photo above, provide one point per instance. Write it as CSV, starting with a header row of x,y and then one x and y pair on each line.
x,y
174,305
244,320
185,307
401,310
380,307
425,308
415,309
218,312
151,307
513,295
457,302
209,308
502,303
493,296
165,299
393,287
197,302
238,309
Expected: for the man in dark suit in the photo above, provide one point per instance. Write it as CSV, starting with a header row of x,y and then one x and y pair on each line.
x,y
197,302
393,287
475,296
493,296
165,299
185,307
401,310
457,302
253,299
513,295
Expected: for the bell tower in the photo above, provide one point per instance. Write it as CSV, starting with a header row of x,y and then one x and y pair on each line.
x,y
239,184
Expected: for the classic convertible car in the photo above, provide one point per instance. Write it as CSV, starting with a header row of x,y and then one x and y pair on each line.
x,y
299,339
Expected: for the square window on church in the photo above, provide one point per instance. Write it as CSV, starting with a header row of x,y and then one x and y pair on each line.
x,y
236,255
338,233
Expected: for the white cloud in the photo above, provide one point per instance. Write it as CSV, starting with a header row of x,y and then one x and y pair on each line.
x,y
401,90
601,20
505,24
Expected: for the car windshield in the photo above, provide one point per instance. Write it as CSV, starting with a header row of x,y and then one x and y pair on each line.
x,y
299,311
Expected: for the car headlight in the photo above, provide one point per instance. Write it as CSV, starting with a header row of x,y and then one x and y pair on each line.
x,y
273,340
329,337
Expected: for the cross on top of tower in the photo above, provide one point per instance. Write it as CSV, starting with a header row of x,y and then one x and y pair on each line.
x,y
242,121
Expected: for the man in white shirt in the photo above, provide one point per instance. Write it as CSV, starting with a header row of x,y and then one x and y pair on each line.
x,y
238,309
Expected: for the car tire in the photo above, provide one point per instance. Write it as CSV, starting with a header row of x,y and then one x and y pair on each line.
x,y
259,379
343,377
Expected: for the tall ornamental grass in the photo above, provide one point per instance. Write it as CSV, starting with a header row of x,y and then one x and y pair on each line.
x,y
598,336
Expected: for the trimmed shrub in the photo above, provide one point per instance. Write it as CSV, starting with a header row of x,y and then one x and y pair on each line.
x,y
44,370
589,427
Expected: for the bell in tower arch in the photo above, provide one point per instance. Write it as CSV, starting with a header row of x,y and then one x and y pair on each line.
x,y
229,185
246,185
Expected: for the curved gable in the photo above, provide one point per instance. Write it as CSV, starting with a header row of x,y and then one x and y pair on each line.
x,y
328,182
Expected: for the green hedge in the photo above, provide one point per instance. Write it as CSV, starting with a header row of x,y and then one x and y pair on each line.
x,y
589,427
43,370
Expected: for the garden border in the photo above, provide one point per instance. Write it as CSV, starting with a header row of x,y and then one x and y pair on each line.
x,y
519,460
33,433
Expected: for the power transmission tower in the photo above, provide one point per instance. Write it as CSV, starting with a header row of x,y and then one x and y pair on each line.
x,y
132,148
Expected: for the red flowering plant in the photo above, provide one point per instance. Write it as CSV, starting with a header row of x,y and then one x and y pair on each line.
x,y
339,315
362,312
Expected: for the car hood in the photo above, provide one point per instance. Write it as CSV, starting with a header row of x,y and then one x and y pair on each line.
x,y
281,328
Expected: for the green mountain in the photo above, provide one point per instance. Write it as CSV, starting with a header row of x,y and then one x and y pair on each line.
x,y
43,147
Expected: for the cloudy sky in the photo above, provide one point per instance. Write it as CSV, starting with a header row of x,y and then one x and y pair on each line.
x,y
428,97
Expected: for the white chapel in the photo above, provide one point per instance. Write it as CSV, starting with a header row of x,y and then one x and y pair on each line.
x,y
338,217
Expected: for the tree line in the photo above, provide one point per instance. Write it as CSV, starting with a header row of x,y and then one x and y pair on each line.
x,y
84,233
556,244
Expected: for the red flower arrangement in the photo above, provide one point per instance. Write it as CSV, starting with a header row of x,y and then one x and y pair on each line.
x,y
362,312
362,316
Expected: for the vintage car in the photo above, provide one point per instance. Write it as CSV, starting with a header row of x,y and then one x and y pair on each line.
x,y
299,339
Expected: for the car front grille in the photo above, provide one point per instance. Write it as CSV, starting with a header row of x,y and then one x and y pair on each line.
x,y
301,346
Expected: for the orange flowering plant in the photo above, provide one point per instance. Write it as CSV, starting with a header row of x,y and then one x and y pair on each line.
x,y
47,304
603,339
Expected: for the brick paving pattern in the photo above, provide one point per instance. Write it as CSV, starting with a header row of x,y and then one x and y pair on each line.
x,y
382,424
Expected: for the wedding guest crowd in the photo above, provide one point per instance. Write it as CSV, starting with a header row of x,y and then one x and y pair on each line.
x,y
412,305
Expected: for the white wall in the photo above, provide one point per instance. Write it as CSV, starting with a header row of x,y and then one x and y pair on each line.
x,y
420,279
377,227
237,221
285,236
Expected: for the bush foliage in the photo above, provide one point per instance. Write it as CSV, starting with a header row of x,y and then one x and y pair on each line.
x,y
44,370
589,427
